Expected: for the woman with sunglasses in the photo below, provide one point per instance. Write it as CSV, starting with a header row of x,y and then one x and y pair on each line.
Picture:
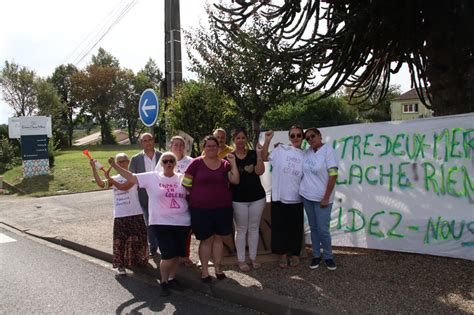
x,y
248,199
130,245
317,189
287,207
178,147
207,179
168,214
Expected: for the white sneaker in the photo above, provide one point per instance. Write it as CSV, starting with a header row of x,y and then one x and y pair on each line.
x,y
121,271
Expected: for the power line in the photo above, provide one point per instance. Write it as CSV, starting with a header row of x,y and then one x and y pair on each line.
x,y
127,9
94,30
116,15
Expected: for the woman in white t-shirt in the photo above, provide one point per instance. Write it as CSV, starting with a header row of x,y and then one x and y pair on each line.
x,y
130,246
178,147
287,209
169,216
317,189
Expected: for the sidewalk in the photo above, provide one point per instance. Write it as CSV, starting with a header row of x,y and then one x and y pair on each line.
x,y
366,281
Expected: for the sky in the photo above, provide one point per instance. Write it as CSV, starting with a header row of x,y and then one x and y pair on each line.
x,y
42,35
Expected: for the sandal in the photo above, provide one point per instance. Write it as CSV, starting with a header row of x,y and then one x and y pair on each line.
x,y
243,266
283,262
256,264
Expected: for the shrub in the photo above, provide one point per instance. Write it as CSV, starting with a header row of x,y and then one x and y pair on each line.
x,y
9,154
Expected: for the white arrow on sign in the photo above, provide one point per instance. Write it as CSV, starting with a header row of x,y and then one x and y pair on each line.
x,y
146,107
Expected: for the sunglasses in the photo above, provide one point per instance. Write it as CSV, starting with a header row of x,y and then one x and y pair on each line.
x,y
311,137
167,161
297,135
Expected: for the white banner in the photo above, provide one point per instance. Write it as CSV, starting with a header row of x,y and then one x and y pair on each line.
x,y
403,186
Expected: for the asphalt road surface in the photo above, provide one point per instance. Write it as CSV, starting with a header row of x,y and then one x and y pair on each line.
x,y
39,277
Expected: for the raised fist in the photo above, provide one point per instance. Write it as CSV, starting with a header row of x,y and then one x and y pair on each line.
x,y
230,157
269,135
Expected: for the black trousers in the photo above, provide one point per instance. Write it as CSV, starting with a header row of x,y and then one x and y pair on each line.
x,y
287,228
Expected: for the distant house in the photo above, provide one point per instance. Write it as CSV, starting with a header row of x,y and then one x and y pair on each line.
x,y
409,106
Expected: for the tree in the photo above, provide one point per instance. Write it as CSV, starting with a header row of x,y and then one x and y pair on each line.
x,y
62,80
132,87
239,66
18,87
49,104
197,109
99,90
153,73
363,42
374,108
310,111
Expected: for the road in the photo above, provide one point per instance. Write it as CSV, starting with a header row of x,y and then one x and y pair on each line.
x,y
39,277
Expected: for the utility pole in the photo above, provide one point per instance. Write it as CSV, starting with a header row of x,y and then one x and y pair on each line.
x,y
173,67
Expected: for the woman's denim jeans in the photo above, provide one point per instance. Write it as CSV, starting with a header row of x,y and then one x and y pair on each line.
x,y
319,219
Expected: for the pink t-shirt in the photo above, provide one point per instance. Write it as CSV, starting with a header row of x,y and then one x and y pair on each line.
x,y
211,188
167,203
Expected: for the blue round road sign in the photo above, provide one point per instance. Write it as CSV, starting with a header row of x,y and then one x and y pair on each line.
x,y
148,107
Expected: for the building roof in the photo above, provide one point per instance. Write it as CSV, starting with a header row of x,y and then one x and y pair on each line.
x,y
409,95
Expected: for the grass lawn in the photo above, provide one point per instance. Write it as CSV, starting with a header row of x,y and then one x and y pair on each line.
x,y
71,172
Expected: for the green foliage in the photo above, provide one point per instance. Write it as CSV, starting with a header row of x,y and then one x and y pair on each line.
x,y
239,65
99,89
153,75
133,86
9,154
62,81
4,130
376,107
49,104
51,153
127,111
9,150
310,111
18,88
105,59
197,109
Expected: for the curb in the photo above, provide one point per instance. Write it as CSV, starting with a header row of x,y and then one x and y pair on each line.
x,y
261,300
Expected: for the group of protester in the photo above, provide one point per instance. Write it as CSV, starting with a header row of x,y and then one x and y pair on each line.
x,y
177,194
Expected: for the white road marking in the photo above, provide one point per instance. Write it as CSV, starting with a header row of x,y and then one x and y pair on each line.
x,y
6,239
